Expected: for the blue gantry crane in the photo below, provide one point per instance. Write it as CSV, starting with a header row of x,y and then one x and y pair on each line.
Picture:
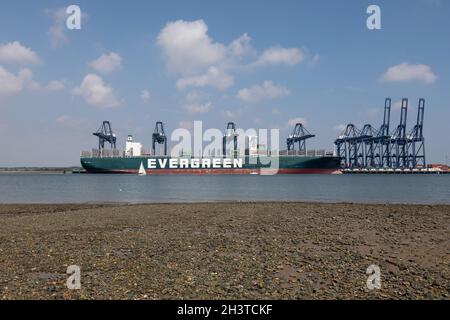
x,y
105,134
399,139
366,146
382,141
416,140
347,146
159,137
371,148
300,135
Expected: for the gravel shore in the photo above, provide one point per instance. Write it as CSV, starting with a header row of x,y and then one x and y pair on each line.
x,y
225,251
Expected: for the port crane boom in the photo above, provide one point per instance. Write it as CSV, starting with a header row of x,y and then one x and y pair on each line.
x,y
416,140
300,135
382,140
347,146
365,146
105,134
399,139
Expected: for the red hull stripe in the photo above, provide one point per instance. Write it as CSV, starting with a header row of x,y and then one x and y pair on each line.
x,y
226,171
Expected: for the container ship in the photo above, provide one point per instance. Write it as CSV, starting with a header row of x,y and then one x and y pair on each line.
x,y
256,159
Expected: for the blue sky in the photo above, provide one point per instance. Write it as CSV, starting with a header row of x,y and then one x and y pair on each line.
x,y
262,64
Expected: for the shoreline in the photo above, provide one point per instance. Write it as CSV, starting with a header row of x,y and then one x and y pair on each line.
x,y
224,250
221,201
41,170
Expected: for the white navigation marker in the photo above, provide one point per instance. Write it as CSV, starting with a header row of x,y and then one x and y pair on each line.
x,y
142,171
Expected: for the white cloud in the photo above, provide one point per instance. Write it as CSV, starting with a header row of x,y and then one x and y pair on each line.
x,y
197,102
145,95
405,72
63,119
96,93
267,90
200,61
241,46
69,121
107,63
16,53
195,96
55,85
293,121
198,107
12,84
214,77
52,86
188,48
57,29
232,114
279,55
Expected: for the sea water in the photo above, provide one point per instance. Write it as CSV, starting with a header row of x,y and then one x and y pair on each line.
x,y
82,188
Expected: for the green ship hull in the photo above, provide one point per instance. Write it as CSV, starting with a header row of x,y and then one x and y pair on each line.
x,y
243,165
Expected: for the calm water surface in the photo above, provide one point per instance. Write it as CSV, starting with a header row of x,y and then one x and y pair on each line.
x,y
77,188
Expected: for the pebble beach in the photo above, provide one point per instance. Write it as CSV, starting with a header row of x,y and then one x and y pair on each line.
x,y
229,250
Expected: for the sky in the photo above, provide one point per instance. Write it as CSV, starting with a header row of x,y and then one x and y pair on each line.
x,y
261,64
